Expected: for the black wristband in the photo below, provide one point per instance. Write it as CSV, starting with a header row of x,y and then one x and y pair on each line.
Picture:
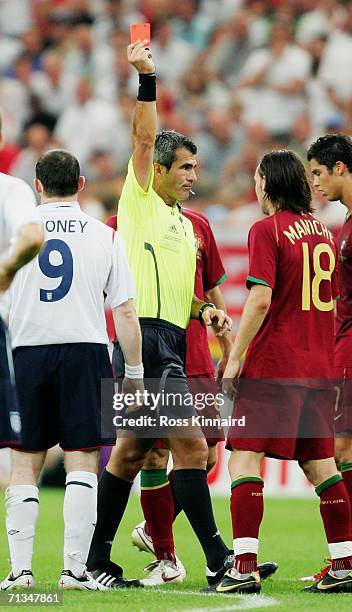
x,y
147,88
203,307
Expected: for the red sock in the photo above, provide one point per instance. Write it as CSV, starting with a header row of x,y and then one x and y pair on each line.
x,y
158,508
346,472
335,511
247,507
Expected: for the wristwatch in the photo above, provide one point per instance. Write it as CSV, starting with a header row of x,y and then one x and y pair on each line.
x,y
203,307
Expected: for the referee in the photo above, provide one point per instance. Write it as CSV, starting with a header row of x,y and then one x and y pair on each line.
x,y
161,250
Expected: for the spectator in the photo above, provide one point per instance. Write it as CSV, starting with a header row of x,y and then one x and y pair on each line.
x,y
53,87
33,46
15,96
190,25
323,17
85,58
220,141
273,82
230,50
15,17
116,15
86,124
321,107
172,55
37,138
200,89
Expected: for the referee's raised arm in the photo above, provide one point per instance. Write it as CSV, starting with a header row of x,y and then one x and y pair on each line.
x,y
144,118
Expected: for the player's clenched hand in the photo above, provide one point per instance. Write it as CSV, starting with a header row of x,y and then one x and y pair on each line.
x,y
140,57
218,319
133,388
229,381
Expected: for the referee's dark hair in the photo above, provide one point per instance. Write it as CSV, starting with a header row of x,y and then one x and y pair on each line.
x,y
59,172
329,149
286,181
166,144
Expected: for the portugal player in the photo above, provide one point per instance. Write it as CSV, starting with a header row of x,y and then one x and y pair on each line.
x,y
330,160
285,388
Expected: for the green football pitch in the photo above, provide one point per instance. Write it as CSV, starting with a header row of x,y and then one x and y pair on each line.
x,y
291,535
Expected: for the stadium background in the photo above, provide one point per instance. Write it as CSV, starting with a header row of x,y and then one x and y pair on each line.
x,y
65,81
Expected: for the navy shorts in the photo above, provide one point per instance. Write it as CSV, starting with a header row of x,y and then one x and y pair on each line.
x,y
59,391
10,421
164,355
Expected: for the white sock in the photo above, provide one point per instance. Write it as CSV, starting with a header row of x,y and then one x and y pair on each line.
x,y
80,515
22,510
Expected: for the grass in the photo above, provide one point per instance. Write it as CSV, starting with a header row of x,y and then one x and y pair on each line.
x,y
291,535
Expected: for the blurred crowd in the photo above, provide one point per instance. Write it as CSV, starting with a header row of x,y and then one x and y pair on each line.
x,y
240,77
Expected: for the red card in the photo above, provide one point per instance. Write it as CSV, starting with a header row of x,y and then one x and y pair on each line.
x,y
140,31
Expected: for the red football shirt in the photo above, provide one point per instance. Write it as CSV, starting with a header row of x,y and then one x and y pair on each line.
x,y
295,255
343,346
209,273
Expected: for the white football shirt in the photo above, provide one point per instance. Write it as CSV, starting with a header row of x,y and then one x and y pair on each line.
x,y
17,208
58,297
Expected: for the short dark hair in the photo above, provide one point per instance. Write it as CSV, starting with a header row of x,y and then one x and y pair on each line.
x,y
329,149
166,143
59,172
286,181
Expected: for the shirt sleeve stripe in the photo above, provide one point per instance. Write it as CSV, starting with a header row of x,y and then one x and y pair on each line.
x,y
257,281
221,280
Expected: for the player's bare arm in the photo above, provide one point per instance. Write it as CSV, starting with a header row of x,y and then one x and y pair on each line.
x,y
27,245
215,296
128,332
254,313
211,316
129,336
144,118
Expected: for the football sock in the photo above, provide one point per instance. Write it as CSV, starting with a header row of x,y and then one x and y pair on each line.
x,y
158,508
346,472
177,507
113,494
335,511
247,507
192,493
80,515
22,510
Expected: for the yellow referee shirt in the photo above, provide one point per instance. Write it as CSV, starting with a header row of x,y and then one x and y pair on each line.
x,y
161,251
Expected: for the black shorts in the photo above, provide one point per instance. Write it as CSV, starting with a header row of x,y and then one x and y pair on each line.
x,y
10,421
59,391
164,356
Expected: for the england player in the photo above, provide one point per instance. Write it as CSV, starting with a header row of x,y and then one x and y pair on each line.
x,y
21,236
285,389
60,356
160,247
330,159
